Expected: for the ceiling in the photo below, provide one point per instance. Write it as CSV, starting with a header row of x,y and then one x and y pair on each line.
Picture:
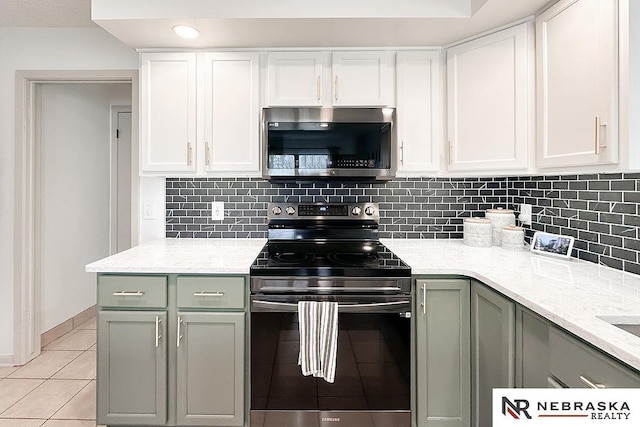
x,y
46,13
271,32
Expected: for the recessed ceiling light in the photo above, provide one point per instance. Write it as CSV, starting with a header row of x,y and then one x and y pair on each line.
x,y
186,31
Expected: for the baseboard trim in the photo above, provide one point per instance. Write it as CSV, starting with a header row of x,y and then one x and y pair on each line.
x,y
67,326
6,360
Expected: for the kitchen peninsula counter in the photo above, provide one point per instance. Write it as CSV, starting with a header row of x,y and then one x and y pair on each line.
x,y
570,293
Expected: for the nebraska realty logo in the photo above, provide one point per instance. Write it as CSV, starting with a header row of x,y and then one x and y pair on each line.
x,y
566,407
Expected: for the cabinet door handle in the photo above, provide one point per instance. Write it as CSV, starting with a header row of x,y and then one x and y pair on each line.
x,y
128,293
178,335
450,153
597,138
402,153
554,383
318,88
335,88
586,381
423,304
189,152
158,336
208,294
207,154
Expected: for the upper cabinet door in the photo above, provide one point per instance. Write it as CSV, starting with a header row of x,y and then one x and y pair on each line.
x,y
361,79
295,79
418,111
231,113
168,112
577,83
489,97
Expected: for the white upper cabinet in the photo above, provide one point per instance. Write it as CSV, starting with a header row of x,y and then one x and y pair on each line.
x,y
200,113
168,112
294,79
490,101
231,112
361,78
418,111
344,78
577,76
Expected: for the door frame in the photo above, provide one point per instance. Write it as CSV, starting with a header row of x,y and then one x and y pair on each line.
x,y
27,243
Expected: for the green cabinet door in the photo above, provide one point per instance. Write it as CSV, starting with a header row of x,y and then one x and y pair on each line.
x,y
210,369
532,349
132,368
492,349
443,353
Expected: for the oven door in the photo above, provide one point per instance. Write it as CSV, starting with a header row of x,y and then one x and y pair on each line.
x,y
372,385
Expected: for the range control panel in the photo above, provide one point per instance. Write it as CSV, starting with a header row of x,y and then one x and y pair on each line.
x,y
323,210
338,211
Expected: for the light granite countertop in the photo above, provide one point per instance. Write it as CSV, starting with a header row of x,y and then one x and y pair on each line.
x,y
187,256
571,293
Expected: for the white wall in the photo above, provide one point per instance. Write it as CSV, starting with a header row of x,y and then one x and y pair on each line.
x,y
75,125
38,49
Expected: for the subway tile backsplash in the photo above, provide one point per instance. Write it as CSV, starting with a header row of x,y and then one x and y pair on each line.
x,y
599,210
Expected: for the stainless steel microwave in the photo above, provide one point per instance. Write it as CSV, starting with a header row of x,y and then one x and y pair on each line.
x,y
347,143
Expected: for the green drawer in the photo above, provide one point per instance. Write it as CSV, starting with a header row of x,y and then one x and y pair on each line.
x,y
211,292
576,364
132,291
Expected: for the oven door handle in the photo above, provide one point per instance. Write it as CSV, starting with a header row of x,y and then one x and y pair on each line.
x,y
331,288
344,308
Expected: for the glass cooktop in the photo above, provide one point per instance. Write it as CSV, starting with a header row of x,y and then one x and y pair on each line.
x,y
335,258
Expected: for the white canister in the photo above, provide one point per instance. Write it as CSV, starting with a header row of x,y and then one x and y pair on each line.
x,y
500,218
513,238
478,232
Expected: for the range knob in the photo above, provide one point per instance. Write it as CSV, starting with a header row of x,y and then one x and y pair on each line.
x,y
277,210
290,210
356,210
369,210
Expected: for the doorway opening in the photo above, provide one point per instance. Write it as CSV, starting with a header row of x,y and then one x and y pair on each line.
x,y
76,192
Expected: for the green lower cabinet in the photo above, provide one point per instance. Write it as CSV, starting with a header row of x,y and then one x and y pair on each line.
x,y
171,350
132,368
442,344
492,349
210,369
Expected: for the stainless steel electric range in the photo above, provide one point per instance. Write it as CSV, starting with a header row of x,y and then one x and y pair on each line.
x,y
330,252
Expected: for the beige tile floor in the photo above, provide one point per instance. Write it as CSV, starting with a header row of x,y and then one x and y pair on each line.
x,y
57,388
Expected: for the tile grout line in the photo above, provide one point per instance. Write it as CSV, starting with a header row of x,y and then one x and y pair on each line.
x,y
67,402
50,378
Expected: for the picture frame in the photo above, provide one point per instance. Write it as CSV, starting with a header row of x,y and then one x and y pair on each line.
x,y
554,245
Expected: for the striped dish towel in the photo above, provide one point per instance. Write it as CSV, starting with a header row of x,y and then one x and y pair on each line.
x,y
318,326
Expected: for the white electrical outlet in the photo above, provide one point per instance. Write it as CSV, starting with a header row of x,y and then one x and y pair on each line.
x,y
217,211
525,214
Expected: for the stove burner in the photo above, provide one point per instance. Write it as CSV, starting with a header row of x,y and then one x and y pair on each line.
x,y
355,259
292,257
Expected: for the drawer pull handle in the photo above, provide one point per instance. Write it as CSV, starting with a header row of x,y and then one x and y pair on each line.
x,y
128,293
590,383
208,294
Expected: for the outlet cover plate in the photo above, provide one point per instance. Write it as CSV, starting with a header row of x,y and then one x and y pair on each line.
x,y
525,213
217,211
